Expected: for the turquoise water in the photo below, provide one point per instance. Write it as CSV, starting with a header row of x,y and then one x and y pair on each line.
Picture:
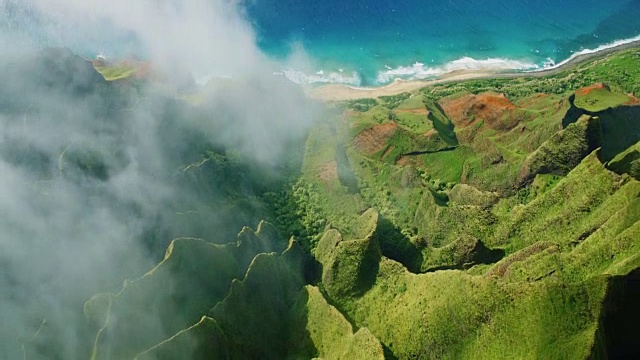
x,y
373,42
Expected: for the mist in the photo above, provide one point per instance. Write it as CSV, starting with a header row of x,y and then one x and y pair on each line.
x,y
94,178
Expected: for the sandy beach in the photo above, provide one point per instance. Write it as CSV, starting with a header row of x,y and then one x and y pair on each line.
x,y
337,92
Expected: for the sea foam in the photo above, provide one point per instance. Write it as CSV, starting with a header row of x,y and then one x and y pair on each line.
x,y
419,71
550,64
334,77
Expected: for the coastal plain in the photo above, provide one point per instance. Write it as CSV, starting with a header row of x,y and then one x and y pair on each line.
x,y
338,92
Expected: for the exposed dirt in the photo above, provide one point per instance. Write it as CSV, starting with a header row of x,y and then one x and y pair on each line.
x,y
329,171
633,100
497,112
405,160
375,138
587,90
430,133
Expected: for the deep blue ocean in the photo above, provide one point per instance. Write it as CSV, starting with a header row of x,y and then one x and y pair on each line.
x,y
372,42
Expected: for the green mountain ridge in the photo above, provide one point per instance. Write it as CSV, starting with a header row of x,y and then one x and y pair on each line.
x,y
487,219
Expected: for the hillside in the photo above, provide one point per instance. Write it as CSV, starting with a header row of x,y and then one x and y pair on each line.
x,y
495,218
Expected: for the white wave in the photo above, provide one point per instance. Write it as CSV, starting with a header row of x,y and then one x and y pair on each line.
x,y
550,64
339,77
419,71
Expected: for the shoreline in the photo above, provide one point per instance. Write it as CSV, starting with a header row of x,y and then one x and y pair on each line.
x,y
339,92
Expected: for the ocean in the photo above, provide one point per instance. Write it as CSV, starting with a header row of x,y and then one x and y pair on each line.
x,y
373,42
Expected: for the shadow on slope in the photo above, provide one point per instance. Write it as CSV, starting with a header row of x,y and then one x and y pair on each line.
x,y
193,276
441,122
620,126
627,161
271,314
617,332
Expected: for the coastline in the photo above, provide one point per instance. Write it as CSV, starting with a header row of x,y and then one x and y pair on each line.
x,y
338,92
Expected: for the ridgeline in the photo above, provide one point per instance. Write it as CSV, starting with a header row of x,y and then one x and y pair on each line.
x,y
483,219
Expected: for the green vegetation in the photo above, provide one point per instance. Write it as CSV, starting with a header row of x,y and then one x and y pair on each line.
x,y
620,71
428,225
203,340
600,99
441,122
329,332
627,162
413,121
351,264
395,101
362,105
116,71
564,150
144,312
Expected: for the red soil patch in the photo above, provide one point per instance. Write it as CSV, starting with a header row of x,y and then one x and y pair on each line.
x,y
498,112
375,138
633,100
430,133
405,160
329,171
586,90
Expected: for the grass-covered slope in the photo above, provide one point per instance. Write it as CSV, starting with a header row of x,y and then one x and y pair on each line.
x,y
270,314
328,332
491,219
535,206
550,296
171,297
254,315
619,123
575,208
627,161
203,340
599,97
563,151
